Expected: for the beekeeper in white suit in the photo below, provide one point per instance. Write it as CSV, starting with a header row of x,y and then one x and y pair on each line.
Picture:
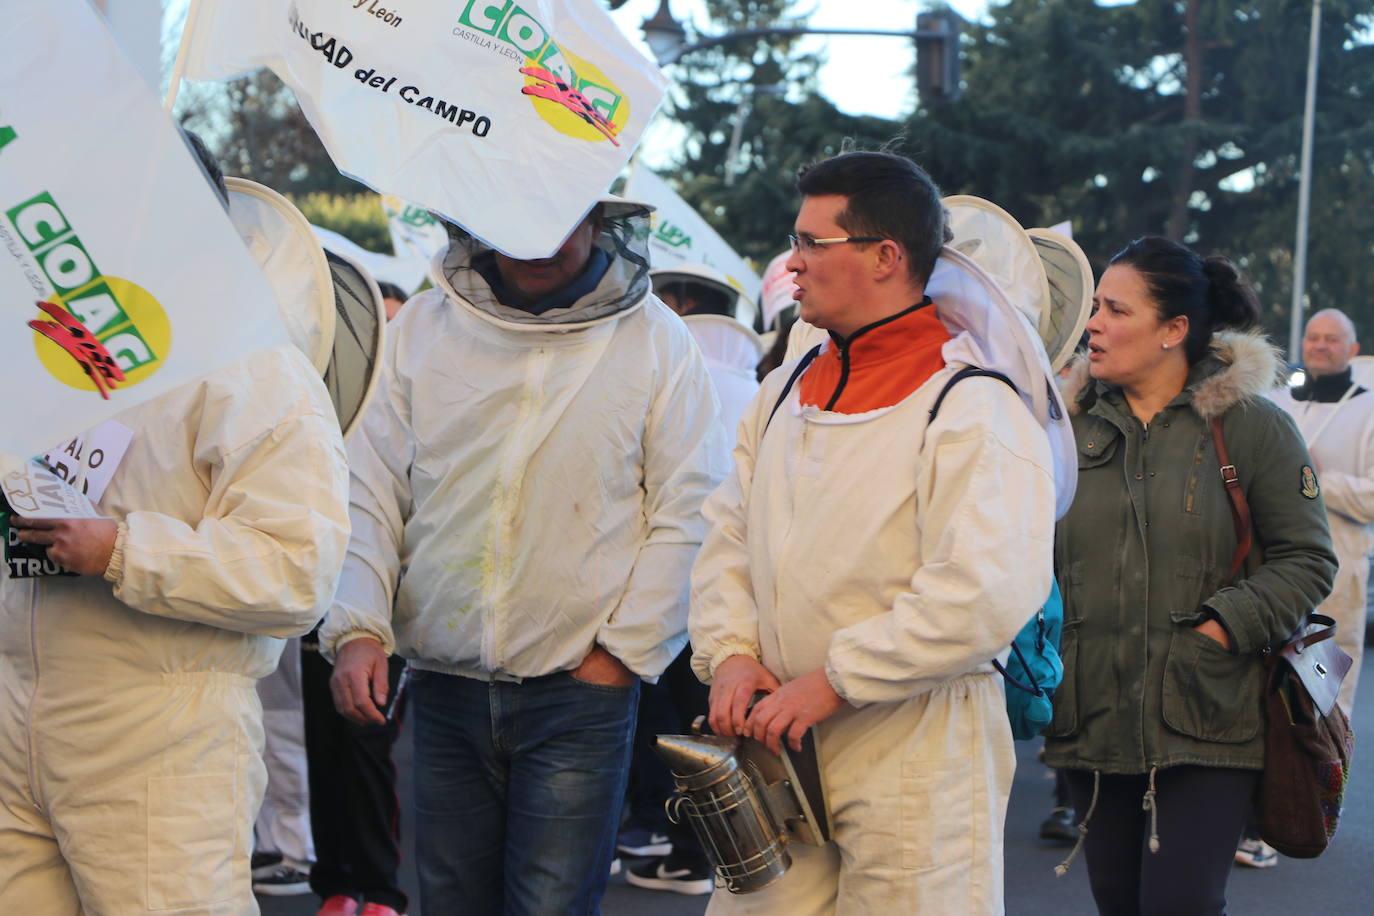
x,y
865,564
130,730
527,490
718,316
1336,416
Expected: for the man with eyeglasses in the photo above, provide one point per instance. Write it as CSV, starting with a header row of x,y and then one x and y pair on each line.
x,y
866,562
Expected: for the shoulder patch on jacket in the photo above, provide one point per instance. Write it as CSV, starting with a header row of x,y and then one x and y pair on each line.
x,y
1310,488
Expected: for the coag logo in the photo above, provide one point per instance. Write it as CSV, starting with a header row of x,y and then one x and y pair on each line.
x,y
572,94
122,318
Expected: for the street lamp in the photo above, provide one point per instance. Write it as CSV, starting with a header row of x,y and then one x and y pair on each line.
x,y
936,35
1304,191
665,35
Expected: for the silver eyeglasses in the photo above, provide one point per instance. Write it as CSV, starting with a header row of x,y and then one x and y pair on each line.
x,y
807,245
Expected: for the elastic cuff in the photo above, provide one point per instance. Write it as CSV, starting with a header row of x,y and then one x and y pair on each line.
x,y
833,677
727,651
114,569
330,648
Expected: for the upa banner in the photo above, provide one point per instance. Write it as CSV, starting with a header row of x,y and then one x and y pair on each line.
x,y
681,236
414,230
508,118
121,276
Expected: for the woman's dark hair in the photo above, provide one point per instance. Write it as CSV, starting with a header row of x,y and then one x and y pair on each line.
x,y
391,291
1209,292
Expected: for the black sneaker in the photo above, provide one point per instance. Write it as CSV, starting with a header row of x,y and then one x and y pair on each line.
x,y
264,863
283,881
664,875
643,841
1059,827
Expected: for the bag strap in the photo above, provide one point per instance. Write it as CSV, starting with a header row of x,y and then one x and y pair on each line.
x,y
967,372
1302,641
1033,688
787,389
1240,519
1240,509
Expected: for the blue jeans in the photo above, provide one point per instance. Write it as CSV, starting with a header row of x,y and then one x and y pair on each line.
x,y
518,790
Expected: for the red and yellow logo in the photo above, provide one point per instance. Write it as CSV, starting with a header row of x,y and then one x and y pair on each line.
x,y
96,332
572,94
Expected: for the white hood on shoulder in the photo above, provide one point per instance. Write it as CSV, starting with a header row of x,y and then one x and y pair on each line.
x,y
726,343
991,333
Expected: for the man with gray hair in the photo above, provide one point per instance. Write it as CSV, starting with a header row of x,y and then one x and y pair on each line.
x,y
1336,416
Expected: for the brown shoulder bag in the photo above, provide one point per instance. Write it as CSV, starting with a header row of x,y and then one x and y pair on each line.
x,y
1308,742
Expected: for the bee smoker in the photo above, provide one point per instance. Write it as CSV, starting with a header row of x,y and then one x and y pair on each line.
x,y
745,804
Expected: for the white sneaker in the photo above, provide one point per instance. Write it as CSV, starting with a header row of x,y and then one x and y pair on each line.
x,y
1254,853
284,881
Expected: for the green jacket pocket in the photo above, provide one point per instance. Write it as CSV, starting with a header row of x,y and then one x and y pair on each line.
x,y
1209,693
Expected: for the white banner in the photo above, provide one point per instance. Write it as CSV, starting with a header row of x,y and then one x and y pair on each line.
x,y
106,217
508,118
779,284
681,236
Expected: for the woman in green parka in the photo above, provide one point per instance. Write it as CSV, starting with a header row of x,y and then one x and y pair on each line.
x,y
1158,721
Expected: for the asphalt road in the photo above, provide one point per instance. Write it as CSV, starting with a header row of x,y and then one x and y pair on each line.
x,y
1337,884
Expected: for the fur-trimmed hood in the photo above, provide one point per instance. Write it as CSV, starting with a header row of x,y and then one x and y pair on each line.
x,y
1245,366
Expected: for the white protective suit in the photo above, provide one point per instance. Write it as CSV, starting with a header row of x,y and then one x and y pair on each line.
x,y
902,559
130,730
1340,437
732,352
534,484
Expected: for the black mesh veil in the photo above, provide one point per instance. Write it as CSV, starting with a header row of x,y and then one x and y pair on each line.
x,y
624,236
359,327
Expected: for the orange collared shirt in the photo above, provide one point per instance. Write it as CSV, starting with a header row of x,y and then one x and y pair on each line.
x,y
878,365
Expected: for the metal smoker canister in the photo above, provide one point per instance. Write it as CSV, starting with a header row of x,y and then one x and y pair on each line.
x,y
723,802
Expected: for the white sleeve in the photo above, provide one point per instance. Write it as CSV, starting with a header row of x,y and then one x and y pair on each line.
x,y
265,556
380,453
985,498
724,618
1351,493
685,457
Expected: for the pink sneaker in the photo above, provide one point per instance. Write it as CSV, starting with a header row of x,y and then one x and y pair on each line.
x,y
376,909
339,905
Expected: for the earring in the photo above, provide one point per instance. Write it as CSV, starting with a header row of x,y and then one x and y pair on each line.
x,y
1165,346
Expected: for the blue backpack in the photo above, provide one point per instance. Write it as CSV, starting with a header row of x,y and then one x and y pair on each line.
x,y
1034,669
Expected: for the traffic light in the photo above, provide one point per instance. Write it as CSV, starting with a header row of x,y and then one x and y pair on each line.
x,y
937,56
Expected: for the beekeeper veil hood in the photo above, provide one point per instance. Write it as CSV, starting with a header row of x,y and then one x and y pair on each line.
x,y
1069,277
467,269
281,241
359,337
990,281
332,308
710,288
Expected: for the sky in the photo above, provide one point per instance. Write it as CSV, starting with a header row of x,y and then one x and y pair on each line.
x,y
862,75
